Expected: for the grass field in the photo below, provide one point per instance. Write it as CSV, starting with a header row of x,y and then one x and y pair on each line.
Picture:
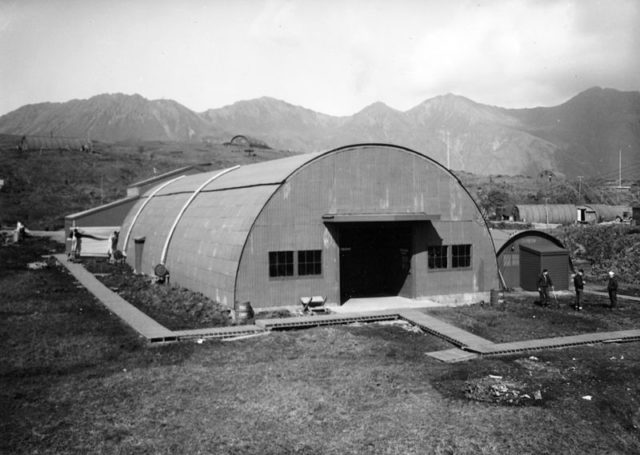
x,y
73,379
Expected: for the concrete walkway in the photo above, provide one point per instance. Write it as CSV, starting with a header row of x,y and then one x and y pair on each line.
x,y
359,305
468,345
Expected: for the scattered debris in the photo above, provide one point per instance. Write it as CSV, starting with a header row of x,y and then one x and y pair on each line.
x,y
496,389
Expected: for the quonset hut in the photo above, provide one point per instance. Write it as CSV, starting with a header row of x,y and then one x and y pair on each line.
x,y
522,255
358,221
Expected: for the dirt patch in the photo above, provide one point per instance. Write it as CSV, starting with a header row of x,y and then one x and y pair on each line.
x,y
174,307
505,391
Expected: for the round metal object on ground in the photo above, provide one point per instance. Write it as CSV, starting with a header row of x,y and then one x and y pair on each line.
x,y
160,270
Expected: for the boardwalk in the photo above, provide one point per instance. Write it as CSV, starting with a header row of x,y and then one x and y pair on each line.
x,y
467,345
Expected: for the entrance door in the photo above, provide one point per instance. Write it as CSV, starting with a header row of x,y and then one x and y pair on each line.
x,y
375,258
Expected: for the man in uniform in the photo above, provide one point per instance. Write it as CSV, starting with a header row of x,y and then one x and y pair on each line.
x,y
544,283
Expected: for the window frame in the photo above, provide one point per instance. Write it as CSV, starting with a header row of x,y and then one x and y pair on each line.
x,y
295,264
438,258
276,264
315,263
458,257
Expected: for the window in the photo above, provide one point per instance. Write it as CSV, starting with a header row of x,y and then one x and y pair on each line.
x,y
280,263
310,262
437,257
460,256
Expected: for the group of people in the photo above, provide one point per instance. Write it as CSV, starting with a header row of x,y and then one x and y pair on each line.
x,y
545,283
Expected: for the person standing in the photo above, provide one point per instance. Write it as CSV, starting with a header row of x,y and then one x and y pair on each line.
x,y
113,246
578,284
612,287
19,233
544,283
76,243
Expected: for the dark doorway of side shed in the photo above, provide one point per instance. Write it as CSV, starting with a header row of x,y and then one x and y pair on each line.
x,y
375,258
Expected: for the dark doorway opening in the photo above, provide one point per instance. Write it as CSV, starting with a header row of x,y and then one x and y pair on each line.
x,y
375,258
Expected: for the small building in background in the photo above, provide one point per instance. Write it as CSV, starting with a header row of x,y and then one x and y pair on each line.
x,y
103,220
537,250
535,259
606,213
244,141
546,213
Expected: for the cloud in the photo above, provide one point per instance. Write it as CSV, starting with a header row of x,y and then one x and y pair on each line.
x,y
334,56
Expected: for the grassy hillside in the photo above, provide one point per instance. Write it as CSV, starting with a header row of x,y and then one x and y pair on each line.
x,y
41,187
490,192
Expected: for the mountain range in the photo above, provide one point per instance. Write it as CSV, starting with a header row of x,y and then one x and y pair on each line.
x,y
585,136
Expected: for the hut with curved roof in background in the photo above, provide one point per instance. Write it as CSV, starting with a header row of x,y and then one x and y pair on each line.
x,y
522,255
243,140
606,213
364,220
546,213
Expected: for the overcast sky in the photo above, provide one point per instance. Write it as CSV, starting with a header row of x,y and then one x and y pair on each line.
x,y
332,56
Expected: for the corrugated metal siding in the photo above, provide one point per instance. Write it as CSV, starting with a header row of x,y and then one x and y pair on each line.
x,y
212,240
611,212
554,213
509,257
540,257
154,224
558,266
365,179
265,173
530,269
205,249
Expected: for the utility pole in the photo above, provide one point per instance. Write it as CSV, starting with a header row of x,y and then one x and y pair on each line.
x,y
619,168
579,187
546,209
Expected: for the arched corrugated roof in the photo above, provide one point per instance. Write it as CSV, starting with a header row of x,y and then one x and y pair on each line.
x,y
217,223
551,213
504,242
610,212
271,172
249,140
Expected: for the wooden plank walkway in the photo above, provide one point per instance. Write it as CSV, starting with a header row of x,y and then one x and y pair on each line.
x,y
325,319
218,332
136,319
453,355
557,342
469,345
452,334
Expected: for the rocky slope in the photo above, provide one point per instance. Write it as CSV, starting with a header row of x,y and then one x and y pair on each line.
x,y
580,137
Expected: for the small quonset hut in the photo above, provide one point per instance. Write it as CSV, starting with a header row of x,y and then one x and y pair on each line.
x,y
358,221
523,254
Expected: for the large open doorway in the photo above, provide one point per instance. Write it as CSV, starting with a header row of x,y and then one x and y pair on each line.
x,y
375,258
